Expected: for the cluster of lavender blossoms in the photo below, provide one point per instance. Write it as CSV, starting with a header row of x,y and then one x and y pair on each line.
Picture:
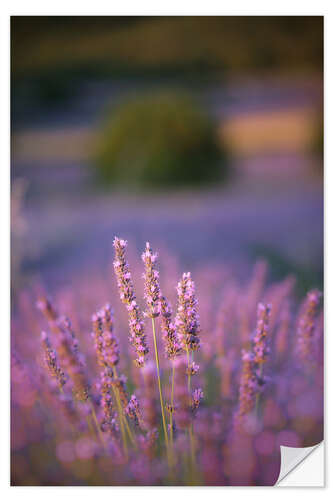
x,y
187,319
252,379
133,410
248,386
109,422
171,340
67,348
306,330
152,288
127,296
106,343
51,362
260,344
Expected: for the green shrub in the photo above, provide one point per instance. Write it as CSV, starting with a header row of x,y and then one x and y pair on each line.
x,y
161,139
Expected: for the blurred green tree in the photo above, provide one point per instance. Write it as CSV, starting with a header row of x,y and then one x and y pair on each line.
x,y
160,139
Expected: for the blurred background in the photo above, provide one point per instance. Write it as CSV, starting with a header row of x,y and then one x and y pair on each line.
x,y
203,135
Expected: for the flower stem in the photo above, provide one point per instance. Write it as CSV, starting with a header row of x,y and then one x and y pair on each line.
x,y
130,433
171,402
121,421
171,413
128,429
160,388
93,413
258,394
190,430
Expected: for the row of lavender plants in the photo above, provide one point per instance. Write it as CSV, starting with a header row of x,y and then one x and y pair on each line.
x,y
186,404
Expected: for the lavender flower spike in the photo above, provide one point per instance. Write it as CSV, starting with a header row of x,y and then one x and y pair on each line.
x,y
109,423
260,347
152,287
197,396
187,319
248,385
127,296
51,362
133,410
169,333
306,328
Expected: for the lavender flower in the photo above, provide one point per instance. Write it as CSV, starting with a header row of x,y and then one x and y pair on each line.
x,y
197,396
72,359
169,333
106,343
187,319
306,328
152,287
127,296
192,369
109,423
67,348
260,347
248,385
97,334
133,410
51,362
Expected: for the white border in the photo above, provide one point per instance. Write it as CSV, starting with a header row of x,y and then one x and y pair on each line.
x,y
144,7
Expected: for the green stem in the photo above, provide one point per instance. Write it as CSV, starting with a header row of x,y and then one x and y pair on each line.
x,y
192,446
160,388
130,433
172,393
258,394
122,415
121,421
171,416
93,413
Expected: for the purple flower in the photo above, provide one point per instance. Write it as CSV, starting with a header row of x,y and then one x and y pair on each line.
x,y
260,347
109,423
51,362
152,287
127,296
192,369
306,329
248,385
67,348
197,396
133,410
187,319
72,359
169,333
106,343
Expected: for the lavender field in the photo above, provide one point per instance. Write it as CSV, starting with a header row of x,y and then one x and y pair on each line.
x,y
234,384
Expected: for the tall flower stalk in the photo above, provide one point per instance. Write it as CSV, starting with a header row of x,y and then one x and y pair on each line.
x,y
188,327
153,296
252,379
247,389
305,330
260,344
51,362
172,349
107,350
